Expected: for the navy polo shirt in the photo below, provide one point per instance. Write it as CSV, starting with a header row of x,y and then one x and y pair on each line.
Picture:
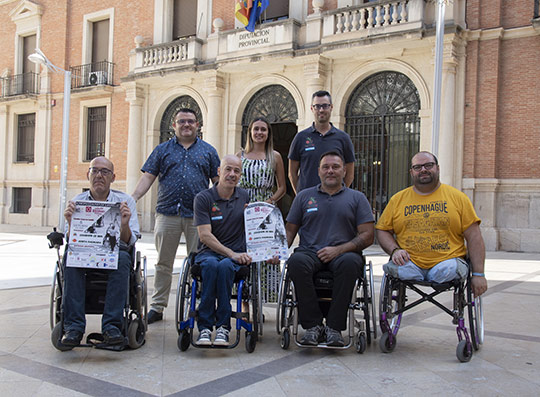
x,y
309,145
182,174
226,217
328,220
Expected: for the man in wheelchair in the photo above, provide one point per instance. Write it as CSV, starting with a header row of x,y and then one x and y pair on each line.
x,y
430,221
335,224
219,217
101,175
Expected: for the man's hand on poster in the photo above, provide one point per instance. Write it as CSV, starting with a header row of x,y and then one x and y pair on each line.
x,y
125,213
69,211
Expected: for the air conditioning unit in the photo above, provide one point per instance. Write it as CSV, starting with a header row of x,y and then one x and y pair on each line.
x,y
97,78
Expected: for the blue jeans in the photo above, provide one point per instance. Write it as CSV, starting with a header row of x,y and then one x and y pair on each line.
x,y
115,298
217,273
442,272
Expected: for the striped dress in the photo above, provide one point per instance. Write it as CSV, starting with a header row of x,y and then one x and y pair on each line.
x,y
257,178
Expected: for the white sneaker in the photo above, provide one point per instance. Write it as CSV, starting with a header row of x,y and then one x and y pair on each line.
x,y
222,337
205,337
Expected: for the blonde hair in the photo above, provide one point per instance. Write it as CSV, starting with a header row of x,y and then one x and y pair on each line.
x,y
269,144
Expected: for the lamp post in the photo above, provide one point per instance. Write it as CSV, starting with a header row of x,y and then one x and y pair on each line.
x,y
438,76
40,59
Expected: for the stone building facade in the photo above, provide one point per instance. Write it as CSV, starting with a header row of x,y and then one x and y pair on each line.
x,y
375,57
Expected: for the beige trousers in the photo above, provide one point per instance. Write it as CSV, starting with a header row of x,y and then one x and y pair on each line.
x,y
167,232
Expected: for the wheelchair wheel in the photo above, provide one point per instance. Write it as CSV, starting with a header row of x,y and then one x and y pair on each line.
x,y
367,301
144,292
183,296
285,338
476,318
385,345
255,299
56,336
371,297
464,351
136,333
284,306
391,299
360,342
251,341
184,340
55,308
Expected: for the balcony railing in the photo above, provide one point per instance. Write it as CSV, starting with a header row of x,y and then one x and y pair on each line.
x,y
19,84
92,74
174,53
369,16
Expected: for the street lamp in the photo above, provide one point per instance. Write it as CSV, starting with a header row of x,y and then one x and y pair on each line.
x,y
40,59
438,76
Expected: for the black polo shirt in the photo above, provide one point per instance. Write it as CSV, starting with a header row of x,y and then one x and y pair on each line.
x,y
226,217
328,220
309,145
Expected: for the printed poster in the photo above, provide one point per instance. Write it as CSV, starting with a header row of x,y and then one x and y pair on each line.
x,y
265,232
94,235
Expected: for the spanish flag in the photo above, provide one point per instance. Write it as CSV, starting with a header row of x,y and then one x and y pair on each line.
x,y
242,10
248,13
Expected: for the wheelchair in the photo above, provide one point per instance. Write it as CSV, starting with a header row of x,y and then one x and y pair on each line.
x,y
135,308
359,331
246,290
393,303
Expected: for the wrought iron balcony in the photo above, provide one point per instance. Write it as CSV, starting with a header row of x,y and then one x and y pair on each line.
x,y
19,84
92,74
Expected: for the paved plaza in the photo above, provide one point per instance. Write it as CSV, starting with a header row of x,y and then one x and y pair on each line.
x,y
423,363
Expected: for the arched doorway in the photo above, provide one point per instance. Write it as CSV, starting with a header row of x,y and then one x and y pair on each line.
x,y
166,130
277,105
382,120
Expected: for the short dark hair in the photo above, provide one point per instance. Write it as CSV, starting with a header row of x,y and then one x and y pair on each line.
x,y
336,153
186,110
426,152
320,94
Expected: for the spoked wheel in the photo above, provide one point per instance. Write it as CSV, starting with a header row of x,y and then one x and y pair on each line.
x,y
366,303
136,333
391,299
464,351
360,343
251,341
282,293
385,345
55,308
285,338
371,297
56,336
183,297
255,300
144,294
183,340
476,318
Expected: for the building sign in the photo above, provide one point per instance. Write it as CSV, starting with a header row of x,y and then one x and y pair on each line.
x,y
248,40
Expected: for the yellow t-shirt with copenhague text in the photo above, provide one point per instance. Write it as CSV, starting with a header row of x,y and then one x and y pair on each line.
x,y
430,228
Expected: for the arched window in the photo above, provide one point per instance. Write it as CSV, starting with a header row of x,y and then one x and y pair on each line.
x,y
382,120
166,130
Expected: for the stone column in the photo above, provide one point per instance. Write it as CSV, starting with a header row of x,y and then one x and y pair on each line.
x,y
447,135
315,73
3,149
214,87
135,96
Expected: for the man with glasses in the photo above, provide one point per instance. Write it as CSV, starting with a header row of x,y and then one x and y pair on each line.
x,y
184,164
308,146
424,227
101,175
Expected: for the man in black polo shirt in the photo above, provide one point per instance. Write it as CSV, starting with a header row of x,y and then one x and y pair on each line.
x,y
219,217
335,224
308,146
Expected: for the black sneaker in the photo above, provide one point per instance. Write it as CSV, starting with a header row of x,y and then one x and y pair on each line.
x,y
72,338
113,336
312,336
334,338
154,316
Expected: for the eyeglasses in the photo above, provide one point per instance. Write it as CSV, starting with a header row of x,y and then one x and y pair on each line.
x,y
186,121
427,166
322,106
103,171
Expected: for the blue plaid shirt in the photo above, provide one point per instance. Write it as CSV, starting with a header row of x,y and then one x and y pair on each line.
x,y
182,174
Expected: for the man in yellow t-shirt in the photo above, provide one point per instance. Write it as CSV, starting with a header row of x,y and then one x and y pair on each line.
x,y
424,227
